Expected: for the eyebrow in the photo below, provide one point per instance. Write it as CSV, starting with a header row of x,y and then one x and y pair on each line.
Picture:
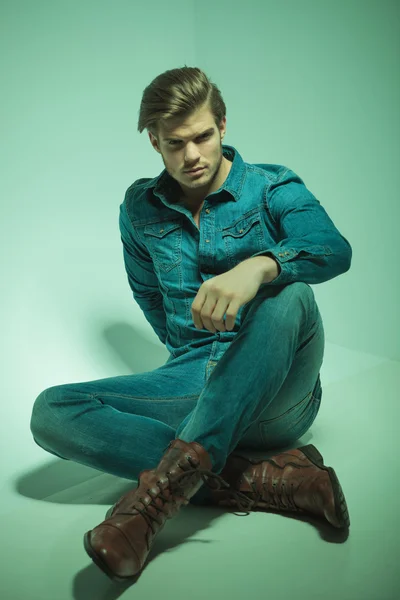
x,y
210,130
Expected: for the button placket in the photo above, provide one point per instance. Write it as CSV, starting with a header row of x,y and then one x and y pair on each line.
x,y
208,212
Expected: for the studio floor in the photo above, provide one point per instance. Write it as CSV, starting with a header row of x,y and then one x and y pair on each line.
x,y
208,552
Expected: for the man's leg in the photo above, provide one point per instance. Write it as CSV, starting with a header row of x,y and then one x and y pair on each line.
x,y
119,425
275,325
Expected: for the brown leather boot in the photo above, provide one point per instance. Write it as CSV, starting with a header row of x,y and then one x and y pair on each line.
x,y
295,480
119,546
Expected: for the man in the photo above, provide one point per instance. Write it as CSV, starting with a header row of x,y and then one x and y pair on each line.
x,y
220,261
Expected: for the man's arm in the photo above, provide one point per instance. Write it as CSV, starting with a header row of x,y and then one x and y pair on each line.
x,y
310,249
141,277
269,267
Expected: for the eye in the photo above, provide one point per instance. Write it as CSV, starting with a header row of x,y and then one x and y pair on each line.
x,y
203,137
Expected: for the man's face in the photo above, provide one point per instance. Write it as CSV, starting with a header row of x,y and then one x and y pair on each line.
x,y
189,145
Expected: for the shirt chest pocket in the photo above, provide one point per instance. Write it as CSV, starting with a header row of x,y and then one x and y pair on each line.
x,y
164,242
243,238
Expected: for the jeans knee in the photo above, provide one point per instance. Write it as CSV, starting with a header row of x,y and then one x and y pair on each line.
x,y
299,289
302,295
42,414
298,307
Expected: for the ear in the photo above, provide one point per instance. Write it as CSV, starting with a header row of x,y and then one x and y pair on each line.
x,y
153,141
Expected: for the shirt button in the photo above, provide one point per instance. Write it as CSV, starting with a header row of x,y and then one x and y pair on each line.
x,y
207,210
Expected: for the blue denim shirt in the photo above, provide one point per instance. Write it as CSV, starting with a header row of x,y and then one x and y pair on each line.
x,y
261,209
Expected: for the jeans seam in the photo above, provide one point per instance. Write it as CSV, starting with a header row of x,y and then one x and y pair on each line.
x,y
152,398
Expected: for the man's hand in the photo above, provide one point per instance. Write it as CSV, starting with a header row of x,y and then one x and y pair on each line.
x,y
226,293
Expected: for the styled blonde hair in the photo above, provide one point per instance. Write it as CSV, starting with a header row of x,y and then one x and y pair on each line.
x,y
176,94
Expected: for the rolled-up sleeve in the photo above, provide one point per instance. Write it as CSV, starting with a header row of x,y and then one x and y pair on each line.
x,y
141,276
310,247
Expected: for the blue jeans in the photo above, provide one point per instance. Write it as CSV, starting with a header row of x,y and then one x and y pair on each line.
x,y
263,393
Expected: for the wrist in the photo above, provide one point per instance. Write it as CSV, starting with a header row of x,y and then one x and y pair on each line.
x,y
269,268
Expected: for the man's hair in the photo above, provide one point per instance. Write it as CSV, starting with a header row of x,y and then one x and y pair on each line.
x,y
177,94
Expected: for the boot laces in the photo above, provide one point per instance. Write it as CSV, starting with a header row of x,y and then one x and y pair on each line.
x,y
280,497
206,475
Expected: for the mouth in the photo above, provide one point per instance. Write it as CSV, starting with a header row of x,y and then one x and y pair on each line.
x,y
195,170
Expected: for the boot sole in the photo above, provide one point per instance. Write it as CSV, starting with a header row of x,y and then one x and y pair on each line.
x,y
99,562
342,512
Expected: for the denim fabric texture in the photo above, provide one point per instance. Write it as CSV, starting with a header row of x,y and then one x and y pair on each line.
x,y
262,209
257,387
